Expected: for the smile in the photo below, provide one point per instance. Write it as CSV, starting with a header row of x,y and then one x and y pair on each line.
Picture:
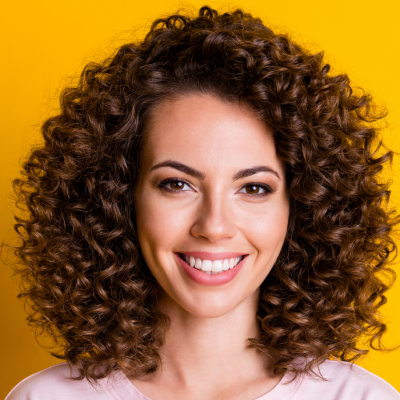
x,y
211,267
195,268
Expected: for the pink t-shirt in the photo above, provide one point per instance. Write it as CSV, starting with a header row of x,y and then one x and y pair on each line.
x,y
344,382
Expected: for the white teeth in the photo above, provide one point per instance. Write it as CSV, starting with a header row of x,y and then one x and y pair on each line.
x,y
216,266
197,263
212,267
225,265
206,265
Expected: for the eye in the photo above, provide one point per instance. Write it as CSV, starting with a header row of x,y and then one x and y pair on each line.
x,y
174,185
256,189
179,185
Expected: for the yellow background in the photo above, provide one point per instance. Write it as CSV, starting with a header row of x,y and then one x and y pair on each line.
x,y
44,42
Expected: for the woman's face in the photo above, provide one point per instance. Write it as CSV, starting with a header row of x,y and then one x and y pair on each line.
x,y
210,182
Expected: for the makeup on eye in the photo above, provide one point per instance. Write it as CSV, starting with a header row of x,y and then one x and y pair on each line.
x,y
163,185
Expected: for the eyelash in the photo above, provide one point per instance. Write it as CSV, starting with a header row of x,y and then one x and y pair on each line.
x,y
163,185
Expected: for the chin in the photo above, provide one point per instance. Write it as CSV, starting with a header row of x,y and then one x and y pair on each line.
x,y
206,312
213,306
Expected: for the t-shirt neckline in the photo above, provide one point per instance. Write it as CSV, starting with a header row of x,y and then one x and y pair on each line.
x,y
125,389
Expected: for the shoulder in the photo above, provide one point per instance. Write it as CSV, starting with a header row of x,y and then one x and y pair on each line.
x,y
53,384
349,381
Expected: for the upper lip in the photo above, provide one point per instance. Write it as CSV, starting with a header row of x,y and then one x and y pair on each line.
x,y
212,256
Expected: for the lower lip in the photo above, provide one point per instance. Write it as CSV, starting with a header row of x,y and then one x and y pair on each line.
x,y
209,280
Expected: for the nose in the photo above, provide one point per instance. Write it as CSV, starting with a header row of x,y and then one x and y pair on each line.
x,y
214,219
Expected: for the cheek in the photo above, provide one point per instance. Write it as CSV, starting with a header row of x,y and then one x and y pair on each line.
x,y
159,226
266,231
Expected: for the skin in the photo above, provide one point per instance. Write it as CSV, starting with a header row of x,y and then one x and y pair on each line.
x,y
205,352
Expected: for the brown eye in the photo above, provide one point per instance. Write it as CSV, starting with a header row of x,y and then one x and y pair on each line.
x,y
174,185
177,185
253,189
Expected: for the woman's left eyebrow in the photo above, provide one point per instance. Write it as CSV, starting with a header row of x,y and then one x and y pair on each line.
x,y
243,173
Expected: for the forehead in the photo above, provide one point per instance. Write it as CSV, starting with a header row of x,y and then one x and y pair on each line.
x,y
203,130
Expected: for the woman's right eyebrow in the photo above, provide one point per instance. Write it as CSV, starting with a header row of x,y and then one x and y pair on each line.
x,y
201,175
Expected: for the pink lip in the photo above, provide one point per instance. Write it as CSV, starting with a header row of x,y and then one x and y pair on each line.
x,y
211,256
209,280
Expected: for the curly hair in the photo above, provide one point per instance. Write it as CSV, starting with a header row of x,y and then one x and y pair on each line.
x,y
80,263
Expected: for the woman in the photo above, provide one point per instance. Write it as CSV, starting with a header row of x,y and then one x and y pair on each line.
x,y
206,222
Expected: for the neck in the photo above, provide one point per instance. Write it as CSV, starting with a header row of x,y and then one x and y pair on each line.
x,y
206,349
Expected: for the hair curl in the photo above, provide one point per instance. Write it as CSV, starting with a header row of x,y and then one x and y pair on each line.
x,y
82,270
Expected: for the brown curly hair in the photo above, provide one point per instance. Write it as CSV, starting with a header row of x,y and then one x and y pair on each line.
x,y
81,268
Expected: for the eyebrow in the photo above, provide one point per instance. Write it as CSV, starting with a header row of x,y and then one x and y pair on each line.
x,y
243,173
